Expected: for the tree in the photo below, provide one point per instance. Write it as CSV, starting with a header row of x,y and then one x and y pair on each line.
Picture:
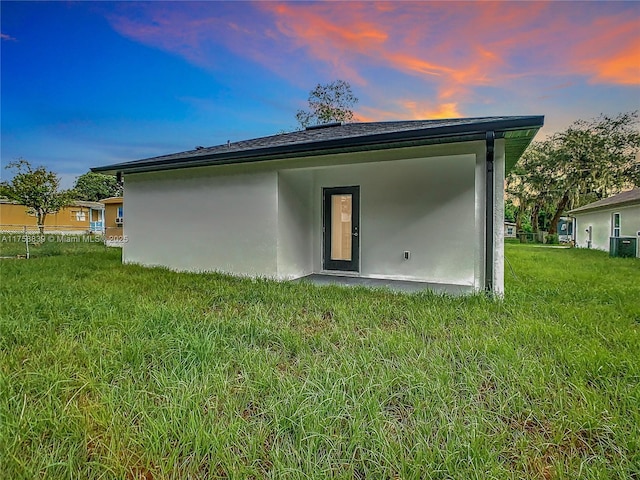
x,y
529,184
595,159
96,186
332,102
589,161
38,189
510,211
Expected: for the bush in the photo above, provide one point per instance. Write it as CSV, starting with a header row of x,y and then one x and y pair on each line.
x,y
552,239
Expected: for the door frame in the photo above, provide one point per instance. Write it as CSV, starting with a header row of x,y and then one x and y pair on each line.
x,y
352,265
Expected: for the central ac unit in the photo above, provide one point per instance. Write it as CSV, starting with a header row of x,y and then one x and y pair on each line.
x,y
622,246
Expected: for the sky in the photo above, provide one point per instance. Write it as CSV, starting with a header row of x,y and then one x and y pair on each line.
x,y
85,84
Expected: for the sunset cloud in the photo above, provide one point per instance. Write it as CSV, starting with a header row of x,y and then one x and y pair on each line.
x,y
409,110
613,56
449,49
622,68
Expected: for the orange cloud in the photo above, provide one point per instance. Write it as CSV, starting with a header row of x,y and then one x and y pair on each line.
x,y
327,35
444,51
412,38
623,68
613,56
416,65
470,43
409,109
418,110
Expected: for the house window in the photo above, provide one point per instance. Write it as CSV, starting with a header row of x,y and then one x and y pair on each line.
x,y
509,231
119,219
80,216
615,225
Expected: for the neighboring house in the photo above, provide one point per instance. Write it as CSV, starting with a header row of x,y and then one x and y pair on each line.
x,y
114,219
78,218
510,230
565,230
617,216
411,200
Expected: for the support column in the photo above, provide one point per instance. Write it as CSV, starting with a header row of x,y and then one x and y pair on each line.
x,y
489,206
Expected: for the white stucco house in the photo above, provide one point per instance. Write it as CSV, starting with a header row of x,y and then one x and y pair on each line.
x,y
616,216
417,201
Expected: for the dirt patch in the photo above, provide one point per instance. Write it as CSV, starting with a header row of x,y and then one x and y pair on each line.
x,y
544,449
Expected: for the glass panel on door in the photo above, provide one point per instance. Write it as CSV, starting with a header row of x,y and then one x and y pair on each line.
x,y
341,208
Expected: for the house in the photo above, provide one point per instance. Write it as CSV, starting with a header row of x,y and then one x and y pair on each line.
x,y
510,230
565,230
417,201
78,218
114,219
616,216
113,215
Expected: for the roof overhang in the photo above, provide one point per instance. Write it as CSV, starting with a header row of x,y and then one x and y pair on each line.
x,y
517,132
623,199
610,206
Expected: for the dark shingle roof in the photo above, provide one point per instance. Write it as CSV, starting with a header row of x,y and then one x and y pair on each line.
x,y
336,138
630,197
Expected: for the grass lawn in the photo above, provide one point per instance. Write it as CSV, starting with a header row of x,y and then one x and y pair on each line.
x,y
112,371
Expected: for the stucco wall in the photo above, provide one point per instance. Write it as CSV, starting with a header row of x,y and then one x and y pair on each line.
x,y
203,219
425,206
600,221
295,223
266,219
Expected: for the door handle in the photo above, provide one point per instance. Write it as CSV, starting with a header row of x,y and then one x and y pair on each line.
x,y
355,234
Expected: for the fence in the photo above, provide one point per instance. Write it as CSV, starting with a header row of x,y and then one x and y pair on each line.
x,y
53,230
24,241
532,237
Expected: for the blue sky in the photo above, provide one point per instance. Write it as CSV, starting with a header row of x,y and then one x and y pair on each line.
x,y
91,83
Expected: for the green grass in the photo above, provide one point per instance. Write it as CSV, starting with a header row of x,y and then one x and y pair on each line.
x,y
48,244
112,371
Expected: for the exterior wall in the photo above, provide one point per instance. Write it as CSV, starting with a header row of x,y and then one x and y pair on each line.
x,y
112,229
295,223
203,219
600,221
14,217
425,206
266,219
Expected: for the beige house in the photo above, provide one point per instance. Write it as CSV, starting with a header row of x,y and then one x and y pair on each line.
x,y
78,218
113,216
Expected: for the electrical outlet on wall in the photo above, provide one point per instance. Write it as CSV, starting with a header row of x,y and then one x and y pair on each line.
x,y
407,254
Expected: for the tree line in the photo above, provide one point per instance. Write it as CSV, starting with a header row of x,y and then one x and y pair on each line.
x,y
589,161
